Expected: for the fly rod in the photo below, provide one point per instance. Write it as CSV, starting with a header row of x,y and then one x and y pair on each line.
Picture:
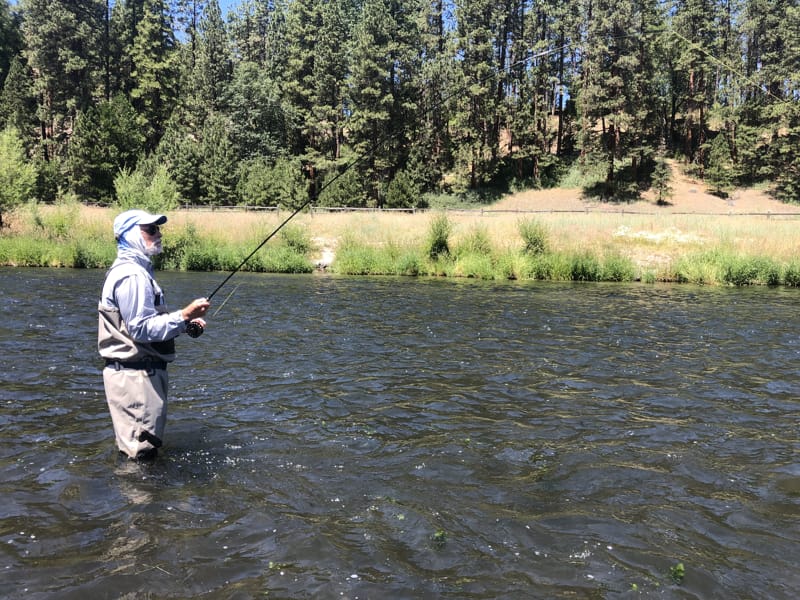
x,y
194,329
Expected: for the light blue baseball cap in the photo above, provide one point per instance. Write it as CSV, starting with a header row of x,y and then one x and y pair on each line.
x,y
129,218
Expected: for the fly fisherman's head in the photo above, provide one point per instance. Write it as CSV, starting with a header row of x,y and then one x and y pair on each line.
x,y
139,230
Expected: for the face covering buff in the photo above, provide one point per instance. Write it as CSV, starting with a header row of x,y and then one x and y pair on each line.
x,y
134,240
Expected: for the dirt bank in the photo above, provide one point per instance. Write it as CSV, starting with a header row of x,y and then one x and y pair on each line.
x,y
689,196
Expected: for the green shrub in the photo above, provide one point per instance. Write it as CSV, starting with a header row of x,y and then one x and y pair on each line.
x,y
769,272
477,241
539,267
791,275
513,265
534,235
230,257
58,223
409,263
17,174
438,244
740,271
618,268
26,252
554,267
296,238
648,277
585,267
202,258
354,258
700,268
474,265
137,189
177,245
283,259
402,192
93,254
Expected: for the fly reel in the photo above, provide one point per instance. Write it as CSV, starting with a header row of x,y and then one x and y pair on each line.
x,y
194,329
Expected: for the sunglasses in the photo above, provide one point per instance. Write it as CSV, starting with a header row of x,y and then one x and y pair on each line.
x,y
150,229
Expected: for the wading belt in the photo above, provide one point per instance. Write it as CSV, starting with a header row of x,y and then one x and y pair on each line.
x,y
140,365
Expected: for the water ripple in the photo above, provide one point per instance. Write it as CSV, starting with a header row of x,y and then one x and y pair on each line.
x,y
411,439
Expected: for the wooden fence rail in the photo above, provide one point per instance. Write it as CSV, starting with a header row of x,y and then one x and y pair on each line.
x,y
483,211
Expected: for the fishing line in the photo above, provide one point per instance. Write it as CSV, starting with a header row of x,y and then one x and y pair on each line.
x,y
224,302
194,329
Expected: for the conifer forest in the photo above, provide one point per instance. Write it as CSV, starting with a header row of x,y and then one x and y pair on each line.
x,y
378,103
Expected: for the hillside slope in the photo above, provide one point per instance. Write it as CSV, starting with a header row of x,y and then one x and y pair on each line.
x,y
688,196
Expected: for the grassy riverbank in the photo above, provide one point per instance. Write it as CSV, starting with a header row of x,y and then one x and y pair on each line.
x,y
599,243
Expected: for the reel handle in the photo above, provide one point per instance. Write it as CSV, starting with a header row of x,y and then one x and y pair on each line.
x,y
194,329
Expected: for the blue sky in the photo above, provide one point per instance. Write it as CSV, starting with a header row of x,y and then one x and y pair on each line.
x,y
227,5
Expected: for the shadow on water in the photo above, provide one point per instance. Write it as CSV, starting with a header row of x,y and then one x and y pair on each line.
x,y
345,438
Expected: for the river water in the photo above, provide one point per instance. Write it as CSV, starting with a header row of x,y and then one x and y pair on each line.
x,y
410,438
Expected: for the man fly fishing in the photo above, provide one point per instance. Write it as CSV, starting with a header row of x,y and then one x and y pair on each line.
x,y
136,336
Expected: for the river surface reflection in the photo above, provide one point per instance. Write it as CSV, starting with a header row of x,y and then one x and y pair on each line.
x,y
410,438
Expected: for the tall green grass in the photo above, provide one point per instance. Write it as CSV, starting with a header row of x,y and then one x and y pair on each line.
x,y
722,267
55,238
188,251
474,256
58,238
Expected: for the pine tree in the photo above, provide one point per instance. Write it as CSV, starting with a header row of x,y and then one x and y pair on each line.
x,y
430,153
784,153
17,173
402,191
212,69
218,163
106,140
259,124
535,122
123,25
189,14
771,115
303,22
10,42
662,175
343,189
63,48
329,93
719,169
457,94
383,70
246,32
180,152
289,185
695,24
155,72
258,30
475,134
18,101
620,123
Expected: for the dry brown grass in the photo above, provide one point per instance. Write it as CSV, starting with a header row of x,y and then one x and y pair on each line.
x,y
748,223
653,237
